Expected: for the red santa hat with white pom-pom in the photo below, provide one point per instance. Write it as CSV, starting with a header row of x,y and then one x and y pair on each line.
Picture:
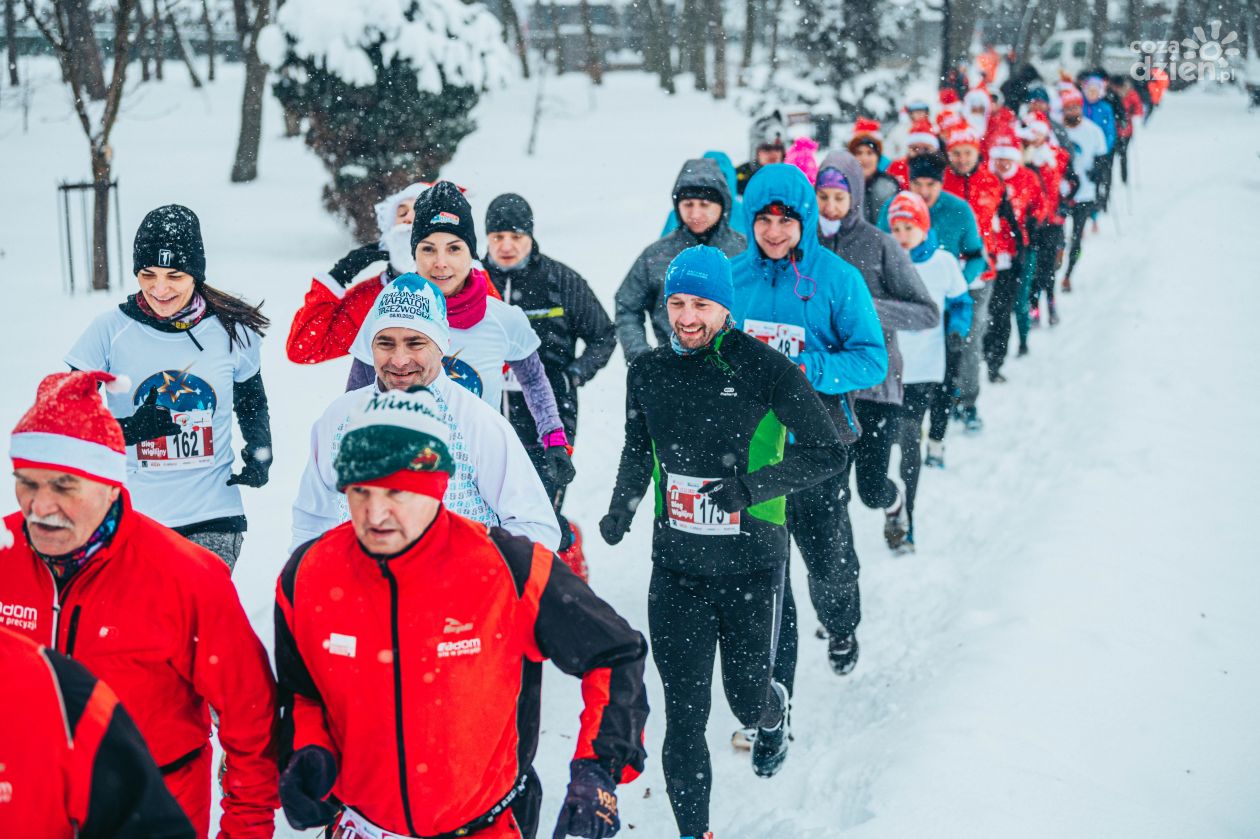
x,y
70,429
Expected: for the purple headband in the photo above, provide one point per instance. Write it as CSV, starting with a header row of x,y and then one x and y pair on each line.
x,y
832,178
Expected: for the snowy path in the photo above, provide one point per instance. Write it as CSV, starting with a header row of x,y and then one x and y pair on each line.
x,y
1071,652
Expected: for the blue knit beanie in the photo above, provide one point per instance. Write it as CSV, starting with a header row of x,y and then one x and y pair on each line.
x,y
703,271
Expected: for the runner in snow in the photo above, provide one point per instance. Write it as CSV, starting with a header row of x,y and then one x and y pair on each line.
x,y
1131,110
981,189
1053,164
867,145
708,419
486,333
811,305
1022,207
923,350
562,310
767,138
1089,158
1099,109
702,201
406,336
150,613
193,355
736,217
921,140
954,225
79,766
436,735
902,302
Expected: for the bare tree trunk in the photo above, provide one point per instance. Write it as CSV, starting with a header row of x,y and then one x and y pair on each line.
x,y
555,33
159,41
659,40
10,40
182,46
87,55
695,26
143,47
1097,31
1074,14
774,34
594,60
100,218
209,24
514,31
245,167
717,25
750,39
962,22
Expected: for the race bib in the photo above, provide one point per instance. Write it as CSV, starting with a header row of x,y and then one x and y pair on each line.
x,y
352,825
787,338
191,448
693,512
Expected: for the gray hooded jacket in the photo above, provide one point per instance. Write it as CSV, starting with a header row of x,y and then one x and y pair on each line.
x,y
901,299
643,289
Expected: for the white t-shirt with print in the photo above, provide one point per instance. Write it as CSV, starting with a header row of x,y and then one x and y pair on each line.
x,y
923,350
181,479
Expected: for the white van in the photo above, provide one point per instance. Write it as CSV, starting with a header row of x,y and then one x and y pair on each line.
x,y
1068,51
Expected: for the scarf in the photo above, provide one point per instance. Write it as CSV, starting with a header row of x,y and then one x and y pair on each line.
x,y
466,307
923,251
710,350
64,567
185,318
828,227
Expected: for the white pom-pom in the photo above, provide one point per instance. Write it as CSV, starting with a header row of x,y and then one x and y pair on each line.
x,y
6,538
120,384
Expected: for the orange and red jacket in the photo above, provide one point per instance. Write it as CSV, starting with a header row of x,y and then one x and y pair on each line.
x,y
1052,175
419,672
330,317
158,619
1023,204
983,193
1133,107
73,763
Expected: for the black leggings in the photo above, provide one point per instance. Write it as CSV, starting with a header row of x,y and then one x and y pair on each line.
x,y
1080,215
1049,240
919,397
1122,152
997,337
818,519
872,451
689,618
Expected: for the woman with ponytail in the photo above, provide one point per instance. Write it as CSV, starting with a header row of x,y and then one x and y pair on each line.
x,y
192,355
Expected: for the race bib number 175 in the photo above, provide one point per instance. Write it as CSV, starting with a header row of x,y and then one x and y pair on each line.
x,y
691,511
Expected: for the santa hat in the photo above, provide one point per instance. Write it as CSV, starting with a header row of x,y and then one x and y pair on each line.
x,y
1035,127
69,429
907,206
1070,95
921,134
387,210
1005,147
397,440
978,97
948,96
866,127
947,121
962,136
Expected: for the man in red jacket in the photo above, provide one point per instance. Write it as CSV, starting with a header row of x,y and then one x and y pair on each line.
x,y
99,782
980,188
153,615
407,645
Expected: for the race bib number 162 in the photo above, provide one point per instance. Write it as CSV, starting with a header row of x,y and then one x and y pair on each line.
x,y
191,448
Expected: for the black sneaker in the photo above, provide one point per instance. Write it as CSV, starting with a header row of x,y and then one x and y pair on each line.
x,y
843,654
996,377
770,747
1022,351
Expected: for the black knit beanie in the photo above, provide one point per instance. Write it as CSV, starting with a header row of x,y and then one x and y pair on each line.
x,y
442,207
927,166
170,237
696,191
510,212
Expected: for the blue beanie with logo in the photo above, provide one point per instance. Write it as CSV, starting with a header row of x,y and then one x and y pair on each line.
x,y
703,271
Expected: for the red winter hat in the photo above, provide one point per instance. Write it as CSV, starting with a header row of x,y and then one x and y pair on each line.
x,y
907,206
948,96
947,121
1070,95
70,429
922,134
1005,147
962,137
866,127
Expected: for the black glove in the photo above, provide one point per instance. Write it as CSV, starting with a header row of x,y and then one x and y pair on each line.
x,y
574,375
349,266
954,342
613,526
560,464
149,422
590,805
729,494
304,785
257,465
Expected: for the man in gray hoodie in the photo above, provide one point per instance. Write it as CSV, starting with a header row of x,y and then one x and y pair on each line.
x,y
702,200
902,302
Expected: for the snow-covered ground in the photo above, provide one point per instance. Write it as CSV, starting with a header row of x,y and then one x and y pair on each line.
x,y
1072,652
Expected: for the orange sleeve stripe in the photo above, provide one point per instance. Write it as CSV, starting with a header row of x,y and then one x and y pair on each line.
x,y
539,575
596,692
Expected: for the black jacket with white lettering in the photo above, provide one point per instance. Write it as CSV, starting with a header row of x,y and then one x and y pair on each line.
x,y
722,413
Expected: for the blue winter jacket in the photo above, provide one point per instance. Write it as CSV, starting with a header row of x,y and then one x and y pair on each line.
x,y
1101,114
822,294
736,217
955,226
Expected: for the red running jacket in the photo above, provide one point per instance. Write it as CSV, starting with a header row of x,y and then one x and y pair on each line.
x,y
331,316
1023,202
983,193
73,763
157,619
414,671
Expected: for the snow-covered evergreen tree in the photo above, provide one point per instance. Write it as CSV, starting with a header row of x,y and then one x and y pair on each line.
x,y
386,88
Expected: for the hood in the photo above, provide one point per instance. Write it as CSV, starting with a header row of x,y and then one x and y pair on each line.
x,y
705,172
723,160
386,209
784,182
852,171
